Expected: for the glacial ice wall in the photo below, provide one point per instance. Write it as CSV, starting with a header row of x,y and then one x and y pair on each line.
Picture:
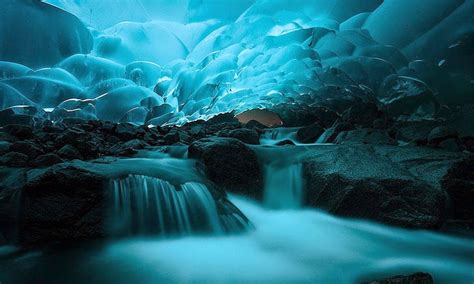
x,y
159,62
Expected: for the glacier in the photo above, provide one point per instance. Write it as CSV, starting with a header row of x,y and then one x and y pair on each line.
x,y
197,59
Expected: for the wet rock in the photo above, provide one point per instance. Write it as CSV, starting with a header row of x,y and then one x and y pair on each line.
x,y
414,131
247,136
4,147
19,131
28,148
362,114
128,148
47,160
459,183
392,185
253,124
61,204
365,136
171,138
286,142
330,134
416,278
309,134
127,131
69,152
451,144
441,133
229,163
14,159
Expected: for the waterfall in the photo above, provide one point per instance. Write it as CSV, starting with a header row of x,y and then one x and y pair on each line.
x,y
145,205
284,186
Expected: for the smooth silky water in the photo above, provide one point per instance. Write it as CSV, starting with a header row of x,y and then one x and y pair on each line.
x,y
289,243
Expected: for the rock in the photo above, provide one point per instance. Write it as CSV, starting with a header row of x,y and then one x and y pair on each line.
x,y
4,147
69,152
47,160
416,278
127,131
253,124
26,147
309,134
14,159
386,184
19,131
171,138
128,148
362,114
459,183
62,204
70,136
331,133
247,136
414,131
229,163
441,133
365,136
286,142
451,144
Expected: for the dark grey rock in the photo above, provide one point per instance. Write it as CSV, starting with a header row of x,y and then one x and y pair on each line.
x,y
27,147
47,160
362,114
392,185
309,134
62,204
416,278
229,163
459,183
69,152
247,136
365,136
14,159
441,133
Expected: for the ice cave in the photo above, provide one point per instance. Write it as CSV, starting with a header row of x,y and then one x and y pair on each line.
x,y
237,141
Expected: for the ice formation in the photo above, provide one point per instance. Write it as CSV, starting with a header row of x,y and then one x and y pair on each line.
x,y
158,62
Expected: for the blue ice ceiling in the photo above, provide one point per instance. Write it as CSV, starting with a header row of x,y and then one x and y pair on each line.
x,y
157,61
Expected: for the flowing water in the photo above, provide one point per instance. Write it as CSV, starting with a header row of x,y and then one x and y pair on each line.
x,y
288,245
283,187
146,205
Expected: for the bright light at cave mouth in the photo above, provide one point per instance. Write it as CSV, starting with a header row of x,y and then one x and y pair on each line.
x,y
236,141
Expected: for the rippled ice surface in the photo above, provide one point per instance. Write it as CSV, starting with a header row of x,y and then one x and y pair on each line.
x,y
287,246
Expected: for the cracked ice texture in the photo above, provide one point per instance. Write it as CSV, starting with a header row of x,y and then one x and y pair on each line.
x,y
174,61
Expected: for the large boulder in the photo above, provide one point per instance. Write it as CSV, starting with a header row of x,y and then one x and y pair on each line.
x,y
398,186
62,204
459,183
309,134
229,163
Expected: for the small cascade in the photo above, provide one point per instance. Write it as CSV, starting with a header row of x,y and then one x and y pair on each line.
x,y
145,205
284,186
273,136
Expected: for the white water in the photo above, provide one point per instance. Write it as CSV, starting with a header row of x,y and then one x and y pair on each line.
x,y
147,205
287,246
284,186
